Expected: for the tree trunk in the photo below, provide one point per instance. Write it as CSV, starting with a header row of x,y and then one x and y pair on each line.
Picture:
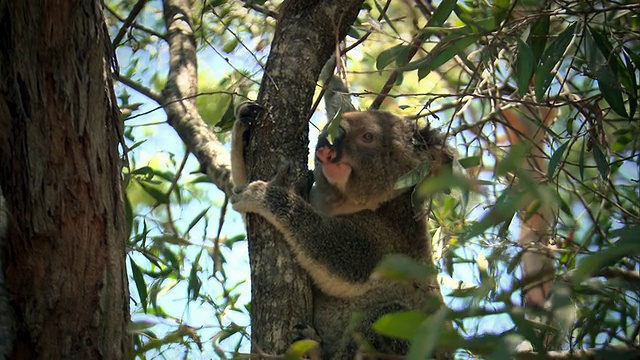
x,y
305,37
64,254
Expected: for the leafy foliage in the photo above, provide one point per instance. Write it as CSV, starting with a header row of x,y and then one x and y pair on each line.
x,y
463,64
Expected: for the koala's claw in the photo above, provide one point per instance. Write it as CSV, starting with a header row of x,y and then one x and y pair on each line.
x,y
250,197
305,331
248,111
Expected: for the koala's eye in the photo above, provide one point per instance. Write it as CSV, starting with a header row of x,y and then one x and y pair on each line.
x,y
367,137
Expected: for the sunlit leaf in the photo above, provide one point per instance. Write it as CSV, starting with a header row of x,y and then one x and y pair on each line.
x,y
158,195
300,348
500,9
470,161
442,13
388,56
426,339
402,267
400,325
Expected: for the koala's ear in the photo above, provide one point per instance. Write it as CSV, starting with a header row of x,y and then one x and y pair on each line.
x,y
432,141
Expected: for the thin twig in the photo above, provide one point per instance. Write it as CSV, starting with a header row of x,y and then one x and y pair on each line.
x,y
129,20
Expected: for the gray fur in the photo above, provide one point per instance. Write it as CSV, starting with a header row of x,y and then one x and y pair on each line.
x,y
350,225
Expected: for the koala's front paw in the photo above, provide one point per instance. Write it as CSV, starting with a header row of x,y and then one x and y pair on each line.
x,y
249,198
248,111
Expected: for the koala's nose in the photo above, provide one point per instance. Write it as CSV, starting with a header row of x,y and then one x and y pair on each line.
x,y
326,155
330,151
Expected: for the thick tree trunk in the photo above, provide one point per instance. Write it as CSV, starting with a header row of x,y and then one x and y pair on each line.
x,y
60,174
305,37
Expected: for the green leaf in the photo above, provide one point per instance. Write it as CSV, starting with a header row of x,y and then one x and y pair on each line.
x,y
627,247
500,9
403,267
427,337
550,58
400,325
159,196
610,90
613,60
537,39
385,16
230,45
470,161
412,177
442,13
196,219
441,54
194,285
446,49
581,160
555,159
387,56
141,286
476,18
171,239
633,94
334,127
301,348
601,161
524,67
526,328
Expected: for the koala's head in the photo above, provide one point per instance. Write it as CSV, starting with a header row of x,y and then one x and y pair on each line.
x,y
371,152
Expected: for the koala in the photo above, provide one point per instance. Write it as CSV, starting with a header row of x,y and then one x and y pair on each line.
x,y
353,219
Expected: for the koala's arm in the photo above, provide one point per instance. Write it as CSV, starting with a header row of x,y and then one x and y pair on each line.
x,y
239,136
246,113
339,253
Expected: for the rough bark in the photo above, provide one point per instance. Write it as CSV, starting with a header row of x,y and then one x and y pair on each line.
x,y
60,174
305,37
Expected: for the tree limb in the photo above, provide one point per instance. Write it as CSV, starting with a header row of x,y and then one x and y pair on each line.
x,y
150,93
178,97
611,352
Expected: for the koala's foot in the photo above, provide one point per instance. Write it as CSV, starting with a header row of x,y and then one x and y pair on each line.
x,y
248,111
306,332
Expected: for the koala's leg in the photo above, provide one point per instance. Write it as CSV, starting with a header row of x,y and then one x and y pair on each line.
x,y
306,332
246,113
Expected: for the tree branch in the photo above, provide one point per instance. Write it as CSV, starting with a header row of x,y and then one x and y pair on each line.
x,y
133,25
132,16
611,352
178,97
151,94
261,9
